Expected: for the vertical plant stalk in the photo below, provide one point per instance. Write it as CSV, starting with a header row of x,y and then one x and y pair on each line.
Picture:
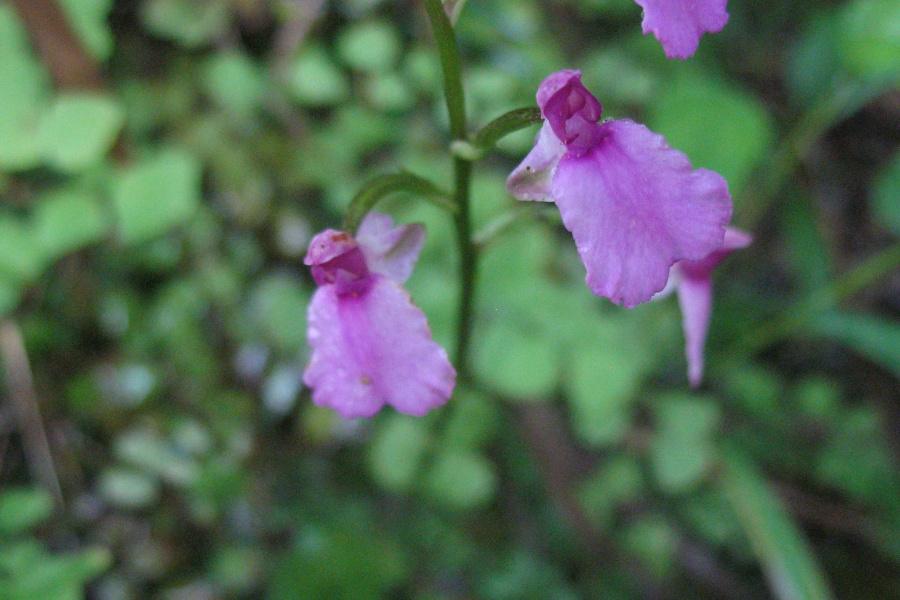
x,y
462,169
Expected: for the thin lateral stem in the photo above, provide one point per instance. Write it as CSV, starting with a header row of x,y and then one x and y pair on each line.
x,y
21,394
448,52
392,183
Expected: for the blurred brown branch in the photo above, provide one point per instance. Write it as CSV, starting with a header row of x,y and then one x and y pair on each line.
x,y
69,63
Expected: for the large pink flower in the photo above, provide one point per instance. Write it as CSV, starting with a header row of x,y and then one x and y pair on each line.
x,y
371,345
634,205
692,281
679,24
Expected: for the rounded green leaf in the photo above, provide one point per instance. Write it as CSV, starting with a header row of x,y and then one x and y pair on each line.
x,y
128,489
278,307
89,19
192,23
21,259
718,126
461,479
78,130
22,509
156,195
370,46
600,385
517,361
869,37
314,80
66,221
25,86
397,450
682,452
234,81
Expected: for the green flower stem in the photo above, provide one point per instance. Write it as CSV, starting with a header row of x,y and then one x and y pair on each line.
x,y
392,183
468,263
823,300
450,65
462,169
483,141
505,124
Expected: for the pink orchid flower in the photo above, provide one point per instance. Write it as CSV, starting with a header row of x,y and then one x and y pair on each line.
x,y
371,345
634,205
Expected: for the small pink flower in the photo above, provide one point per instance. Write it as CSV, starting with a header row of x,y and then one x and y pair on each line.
x,y
371,345
692,280
679,24
634,205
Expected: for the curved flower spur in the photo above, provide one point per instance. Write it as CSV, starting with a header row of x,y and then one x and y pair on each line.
x,y
371,345
692,281
634,205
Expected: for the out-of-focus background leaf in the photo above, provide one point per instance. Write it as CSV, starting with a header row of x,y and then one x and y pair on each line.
x,y
153,221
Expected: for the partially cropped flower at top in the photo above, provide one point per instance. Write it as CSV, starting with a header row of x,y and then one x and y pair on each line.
x,y
371,345
692,280
634,205
679,24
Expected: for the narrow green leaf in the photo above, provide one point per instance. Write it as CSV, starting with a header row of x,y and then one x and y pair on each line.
x,y
873,337
790,566
886,196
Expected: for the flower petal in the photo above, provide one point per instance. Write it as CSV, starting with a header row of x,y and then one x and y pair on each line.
x,y
695,300
372,349
679,24
531,180
391,251
635,207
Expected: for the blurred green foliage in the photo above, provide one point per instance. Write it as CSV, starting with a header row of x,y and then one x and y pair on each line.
x,y
151,243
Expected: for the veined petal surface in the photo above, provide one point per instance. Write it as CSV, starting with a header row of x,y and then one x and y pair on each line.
x,y
679,24
374,348
635,206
